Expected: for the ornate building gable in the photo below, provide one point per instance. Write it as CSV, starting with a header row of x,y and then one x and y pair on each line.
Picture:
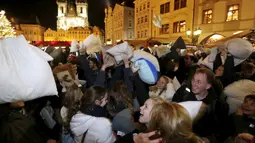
x,y
72,13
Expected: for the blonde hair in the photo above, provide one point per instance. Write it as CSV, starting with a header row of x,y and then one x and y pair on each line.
x,y
173,122
157,100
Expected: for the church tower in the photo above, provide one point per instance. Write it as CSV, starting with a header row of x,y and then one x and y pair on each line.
x,y
82,10
72,13
62,8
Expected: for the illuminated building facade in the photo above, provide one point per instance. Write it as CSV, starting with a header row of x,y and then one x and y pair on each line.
x,y
223,18
72,13
72,22
119,23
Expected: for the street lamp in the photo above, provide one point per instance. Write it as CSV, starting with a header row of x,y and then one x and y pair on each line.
x,y
188,32
195,35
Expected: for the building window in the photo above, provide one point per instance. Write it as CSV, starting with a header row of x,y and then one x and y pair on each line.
x,y
138,21
148,4
145,33
141,34
145,18
81,10
164,29
165,8
136,10
129,23
138,34
162,9
207,16
233,12
130,35
129,12
140,8
62,9
143,6
179,26
142,20
178,4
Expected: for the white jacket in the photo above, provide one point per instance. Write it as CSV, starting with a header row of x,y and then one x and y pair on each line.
x,y
99,129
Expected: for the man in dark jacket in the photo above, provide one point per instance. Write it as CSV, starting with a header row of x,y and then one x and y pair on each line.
x,y
200,90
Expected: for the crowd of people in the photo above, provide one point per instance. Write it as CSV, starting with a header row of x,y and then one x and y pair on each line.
x,y
109,103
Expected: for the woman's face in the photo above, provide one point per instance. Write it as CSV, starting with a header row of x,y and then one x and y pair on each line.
x,y
145,111
161,83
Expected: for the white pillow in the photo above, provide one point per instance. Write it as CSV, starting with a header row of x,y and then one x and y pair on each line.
x,y
234,104
142,54
192,107
25,73
92,43
119,50
162,50
39,52
237,92
147,71
74,45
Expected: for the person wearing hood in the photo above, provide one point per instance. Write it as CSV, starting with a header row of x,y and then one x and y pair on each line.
x,y
89,125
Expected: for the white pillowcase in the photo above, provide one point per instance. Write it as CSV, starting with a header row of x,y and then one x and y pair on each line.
x,y
25,73
119,50
147,71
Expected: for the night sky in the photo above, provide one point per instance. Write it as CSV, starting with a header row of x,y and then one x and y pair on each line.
x,y
46,10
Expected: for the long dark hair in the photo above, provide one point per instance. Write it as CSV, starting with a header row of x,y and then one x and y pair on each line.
x,y
90,96
119,98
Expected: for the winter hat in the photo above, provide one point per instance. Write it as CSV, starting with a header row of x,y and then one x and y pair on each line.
x,y
125,117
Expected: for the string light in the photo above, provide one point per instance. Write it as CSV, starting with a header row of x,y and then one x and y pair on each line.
x,y
6,29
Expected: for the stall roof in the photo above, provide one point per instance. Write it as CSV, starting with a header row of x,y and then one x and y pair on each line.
x,y
239,35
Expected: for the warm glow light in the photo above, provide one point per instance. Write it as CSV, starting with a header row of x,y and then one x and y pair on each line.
x,y
188,32
2,12
199,31
230,13
108,42
195,33
56,47
216,36
237,32
118,40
